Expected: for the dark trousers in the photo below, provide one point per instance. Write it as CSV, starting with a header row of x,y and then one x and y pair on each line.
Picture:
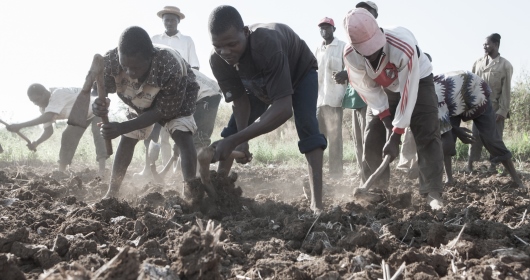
x,y
304,110
425,127
489,135
475,149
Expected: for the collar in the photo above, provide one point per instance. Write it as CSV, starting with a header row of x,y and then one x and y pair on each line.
x,y
178,35
333,43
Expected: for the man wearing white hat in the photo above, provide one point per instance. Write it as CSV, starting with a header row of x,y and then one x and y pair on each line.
x,y
389,58
172,37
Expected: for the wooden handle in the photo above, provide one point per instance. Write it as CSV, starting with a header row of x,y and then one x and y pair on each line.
x,y
98,64
79,112
377,173
19,134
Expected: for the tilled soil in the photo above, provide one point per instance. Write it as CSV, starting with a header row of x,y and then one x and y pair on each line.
x,y
55,225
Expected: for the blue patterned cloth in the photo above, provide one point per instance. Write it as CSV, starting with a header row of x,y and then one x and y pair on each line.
x,y
460,93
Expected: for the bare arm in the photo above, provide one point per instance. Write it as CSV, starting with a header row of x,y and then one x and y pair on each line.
x,y
46,134
278,113
44,118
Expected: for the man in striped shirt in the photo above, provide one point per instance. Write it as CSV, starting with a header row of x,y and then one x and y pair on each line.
x,y
390,59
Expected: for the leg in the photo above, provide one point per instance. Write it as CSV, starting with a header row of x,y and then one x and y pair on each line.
x,y
69,142
204,116
153,136
491,137
188,154
374,140
312,143
122,159
499,125
408,159
99,143
165,146
475,149
332,117
359,124
448,144
426,129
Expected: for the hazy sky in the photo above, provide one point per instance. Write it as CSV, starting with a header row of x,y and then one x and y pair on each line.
x,y
52,42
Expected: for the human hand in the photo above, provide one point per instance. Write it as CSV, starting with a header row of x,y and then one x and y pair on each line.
x,y
110,130
499,118
13,127
391,147
243,147
341,77
100,107
223,149
32,146
465,135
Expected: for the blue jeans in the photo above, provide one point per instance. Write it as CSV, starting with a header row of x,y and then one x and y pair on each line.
x,y
305,114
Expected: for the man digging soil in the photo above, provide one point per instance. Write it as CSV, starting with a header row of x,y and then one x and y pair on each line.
x,y
278,69
158,86
56,104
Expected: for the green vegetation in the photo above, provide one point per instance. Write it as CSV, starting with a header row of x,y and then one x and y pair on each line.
x,y
279,146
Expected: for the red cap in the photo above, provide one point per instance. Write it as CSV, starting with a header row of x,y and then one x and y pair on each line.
x,y
326,20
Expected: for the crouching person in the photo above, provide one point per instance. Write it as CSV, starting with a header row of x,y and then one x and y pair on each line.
x,y
158,86
464,96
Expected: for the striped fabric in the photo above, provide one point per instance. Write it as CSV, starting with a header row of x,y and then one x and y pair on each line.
x,y
460,93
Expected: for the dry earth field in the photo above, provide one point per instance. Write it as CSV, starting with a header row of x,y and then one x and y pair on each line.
x,y
55,225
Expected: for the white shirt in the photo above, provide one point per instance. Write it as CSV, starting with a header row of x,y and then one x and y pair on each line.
x,y
61,103
330,59
181,43
208,87
400,70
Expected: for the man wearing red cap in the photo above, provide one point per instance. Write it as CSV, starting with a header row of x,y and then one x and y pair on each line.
x,y
380,59
330,93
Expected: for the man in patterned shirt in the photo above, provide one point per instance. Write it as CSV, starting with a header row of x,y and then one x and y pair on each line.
x,y
464,96
158,85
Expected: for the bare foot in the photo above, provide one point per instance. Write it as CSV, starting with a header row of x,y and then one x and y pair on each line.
x,y
434,199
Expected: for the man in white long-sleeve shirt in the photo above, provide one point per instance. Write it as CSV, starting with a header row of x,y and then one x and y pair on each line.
x,y
330,93
390,59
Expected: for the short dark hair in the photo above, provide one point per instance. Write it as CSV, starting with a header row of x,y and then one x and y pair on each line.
x,y
134,40
224,17
36,89
495,38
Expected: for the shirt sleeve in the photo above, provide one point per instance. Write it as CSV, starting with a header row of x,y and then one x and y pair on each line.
x,y
227,78
56,104
504,100
409,78
278,77
178,87
193,60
